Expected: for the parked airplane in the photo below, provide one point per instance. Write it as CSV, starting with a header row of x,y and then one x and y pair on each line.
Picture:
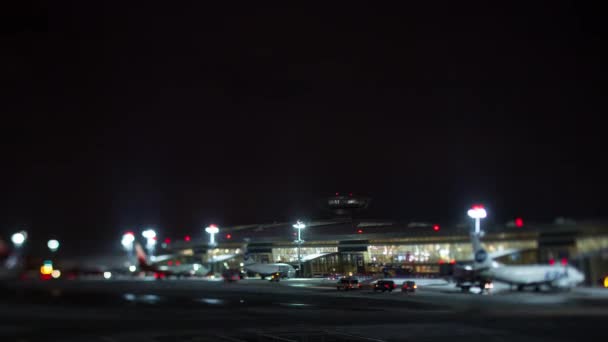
x,y
265,270
167,267
485,270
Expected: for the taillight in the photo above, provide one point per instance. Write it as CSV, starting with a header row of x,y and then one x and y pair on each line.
x,y
394,286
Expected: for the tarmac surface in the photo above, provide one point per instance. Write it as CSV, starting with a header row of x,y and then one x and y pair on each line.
x,y
291,310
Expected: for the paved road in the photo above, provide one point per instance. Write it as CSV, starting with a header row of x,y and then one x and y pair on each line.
x,y
255,310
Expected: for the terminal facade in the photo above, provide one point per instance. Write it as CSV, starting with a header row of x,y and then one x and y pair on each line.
x,y
344,245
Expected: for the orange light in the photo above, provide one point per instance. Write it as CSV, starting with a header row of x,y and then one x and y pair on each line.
x,y
46,269
415,286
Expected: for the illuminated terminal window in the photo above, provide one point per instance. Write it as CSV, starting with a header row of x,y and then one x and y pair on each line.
x,y
220,251
291,254
591,244
431,253
222,254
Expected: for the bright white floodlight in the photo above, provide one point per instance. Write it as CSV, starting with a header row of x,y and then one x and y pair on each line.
x,y
299,225
53,245
19,238
149,234
127,240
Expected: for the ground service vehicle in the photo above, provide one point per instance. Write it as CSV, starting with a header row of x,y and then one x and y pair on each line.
x,y
275,276
348,284
384,285
409,286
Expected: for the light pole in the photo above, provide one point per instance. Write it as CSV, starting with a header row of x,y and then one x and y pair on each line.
x,y
150,236
477,212
127,241
18,240
299,225
212,230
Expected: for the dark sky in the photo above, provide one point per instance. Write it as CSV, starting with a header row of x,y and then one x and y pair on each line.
x,y
173,115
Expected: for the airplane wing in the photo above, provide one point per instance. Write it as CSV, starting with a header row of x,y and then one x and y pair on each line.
x,y
494,255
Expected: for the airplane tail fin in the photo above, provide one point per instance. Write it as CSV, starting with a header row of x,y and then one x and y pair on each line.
x,y
247,259
142,258
480,256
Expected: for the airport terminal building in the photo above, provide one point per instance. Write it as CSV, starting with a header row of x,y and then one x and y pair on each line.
x,y
345,245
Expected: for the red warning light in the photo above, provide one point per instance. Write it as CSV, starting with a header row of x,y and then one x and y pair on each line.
x,y
359,231
228,236
170,263
564,261
337,194
177,263
519,222
436,227
187,238
167,241
551,261
441,262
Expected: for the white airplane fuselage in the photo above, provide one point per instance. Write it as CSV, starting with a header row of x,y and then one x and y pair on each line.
x,y
528,275
555,276
268,269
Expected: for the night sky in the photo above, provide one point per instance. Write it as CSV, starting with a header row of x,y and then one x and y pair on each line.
x,y
171,115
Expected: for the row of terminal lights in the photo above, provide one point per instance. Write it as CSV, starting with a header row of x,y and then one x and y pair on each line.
x,y
519,222
187,238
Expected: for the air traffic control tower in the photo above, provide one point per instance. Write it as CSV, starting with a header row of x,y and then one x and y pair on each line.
x,y
345,205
